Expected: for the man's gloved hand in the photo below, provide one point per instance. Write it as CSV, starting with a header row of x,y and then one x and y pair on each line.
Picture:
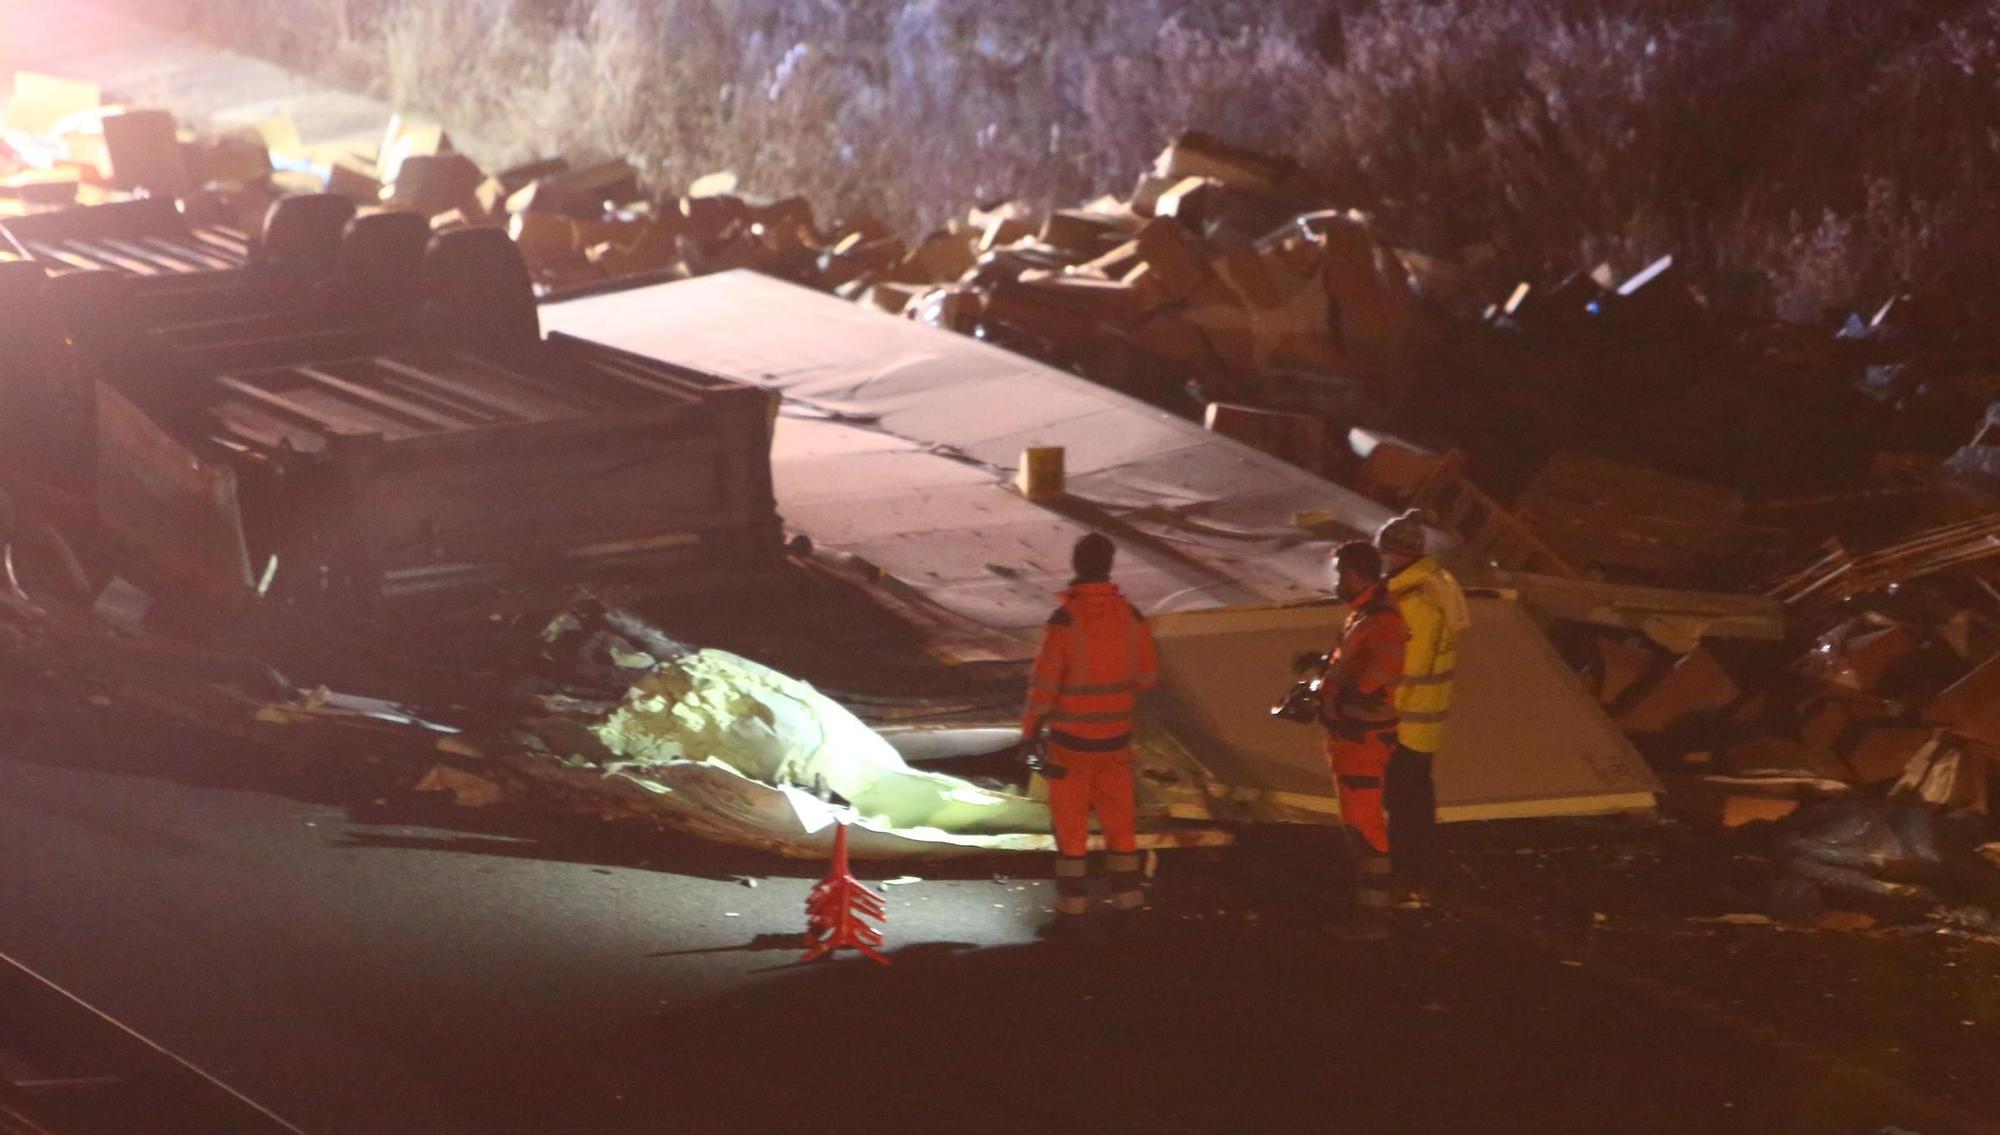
x,y
1308,662
1036,758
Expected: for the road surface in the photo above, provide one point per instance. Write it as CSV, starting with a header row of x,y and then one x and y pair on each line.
x,y
370,978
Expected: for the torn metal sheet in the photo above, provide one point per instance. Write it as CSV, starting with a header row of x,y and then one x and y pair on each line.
x,y
898,445
1525,738
156,494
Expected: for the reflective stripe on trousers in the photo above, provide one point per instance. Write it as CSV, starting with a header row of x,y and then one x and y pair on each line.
x,y
1100,783
1371,875
1072,884
1123,867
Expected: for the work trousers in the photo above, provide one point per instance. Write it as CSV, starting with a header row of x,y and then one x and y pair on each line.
x,y
1099,782
1359,760
1411,800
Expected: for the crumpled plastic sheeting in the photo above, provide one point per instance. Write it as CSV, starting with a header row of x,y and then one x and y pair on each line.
x,y
1884,841
714,706
1858,851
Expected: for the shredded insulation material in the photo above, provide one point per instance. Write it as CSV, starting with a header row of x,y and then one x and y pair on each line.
x,y
716,707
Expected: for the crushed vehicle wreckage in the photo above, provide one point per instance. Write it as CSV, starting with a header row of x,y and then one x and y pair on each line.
x,y
706,782
1214,357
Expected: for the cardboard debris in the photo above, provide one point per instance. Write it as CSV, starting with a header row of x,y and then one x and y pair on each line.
x,y
241,158
1884,754
41,187
1622,667
408,137
1858,653
281,135
1392,470
353,183
1736,810
1216,281
1170,260
1972,705
581,192
1946,776
1696,684
1487,531
39,102
1195,154
1733,802
1297,438
143,149
467,790
435,183
1778,754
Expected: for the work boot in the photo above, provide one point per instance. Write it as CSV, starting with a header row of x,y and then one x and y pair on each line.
x,y
1128,893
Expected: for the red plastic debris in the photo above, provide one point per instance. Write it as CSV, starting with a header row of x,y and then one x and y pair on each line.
x,y
838,907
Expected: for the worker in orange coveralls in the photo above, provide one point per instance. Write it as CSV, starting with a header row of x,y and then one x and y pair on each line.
x,y
1357,705
1096,655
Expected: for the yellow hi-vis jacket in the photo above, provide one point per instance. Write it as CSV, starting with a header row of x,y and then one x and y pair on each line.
x,y
1434,607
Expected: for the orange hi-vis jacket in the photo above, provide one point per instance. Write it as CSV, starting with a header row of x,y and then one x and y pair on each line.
x,y
1096,656
1358,687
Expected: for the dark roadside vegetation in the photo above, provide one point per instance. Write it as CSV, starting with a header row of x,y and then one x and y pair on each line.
x,y
1813,154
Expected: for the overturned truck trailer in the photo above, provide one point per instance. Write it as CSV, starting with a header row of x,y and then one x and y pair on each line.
x,y
401,476
123,292
354,411
146,237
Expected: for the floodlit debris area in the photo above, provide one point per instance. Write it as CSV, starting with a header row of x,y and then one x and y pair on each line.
x,y
749,506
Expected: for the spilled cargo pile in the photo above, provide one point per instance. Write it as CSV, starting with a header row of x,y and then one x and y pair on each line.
x,y
1225,274
1224,280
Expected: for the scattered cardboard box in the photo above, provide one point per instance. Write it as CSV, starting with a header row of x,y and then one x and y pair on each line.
x,y
1971,705
40,102
1696,684
1883,754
